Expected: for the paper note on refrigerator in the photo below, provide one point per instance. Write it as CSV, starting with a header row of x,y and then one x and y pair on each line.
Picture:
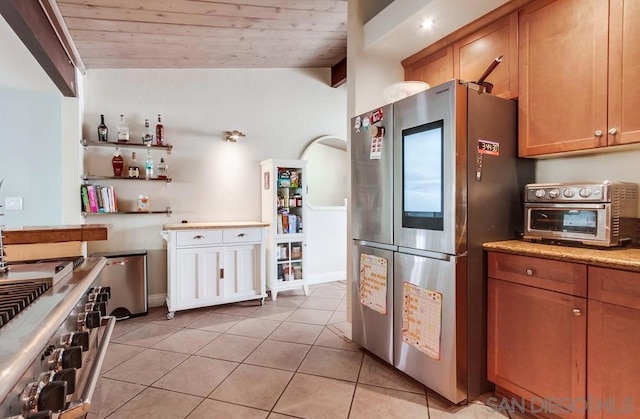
x,y
422,319
376,148
373,282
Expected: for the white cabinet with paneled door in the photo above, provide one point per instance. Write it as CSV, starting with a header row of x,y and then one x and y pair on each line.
x,y
214,263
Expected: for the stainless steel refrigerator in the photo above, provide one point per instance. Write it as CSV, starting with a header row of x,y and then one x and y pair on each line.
x,y
456,183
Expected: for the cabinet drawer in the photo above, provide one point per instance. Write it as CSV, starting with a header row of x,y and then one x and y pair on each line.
x,y
553,275
198,237
242,235
614,286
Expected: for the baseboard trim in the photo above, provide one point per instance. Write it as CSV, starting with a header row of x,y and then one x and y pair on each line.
x,y
156,300
327,277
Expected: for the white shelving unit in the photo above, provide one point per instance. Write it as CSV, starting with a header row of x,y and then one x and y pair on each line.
x,y
284,196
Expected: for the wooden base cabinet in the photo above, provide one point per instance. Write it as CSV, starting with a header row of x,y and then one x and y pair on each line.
x,y
536,335
214,266
613,363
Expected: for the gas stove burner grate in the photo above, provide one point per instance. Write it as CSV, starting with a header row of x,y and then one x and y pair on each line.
x,y
16,297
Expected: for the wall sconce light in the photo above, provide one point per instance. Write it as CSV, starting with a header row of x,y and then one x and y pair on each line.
x,y
232,136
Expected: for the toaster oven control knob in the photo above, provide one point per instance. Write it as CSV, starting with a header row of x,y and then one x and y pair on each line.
x,y
585,192
554,193
80,339
540,193
88,320
568,193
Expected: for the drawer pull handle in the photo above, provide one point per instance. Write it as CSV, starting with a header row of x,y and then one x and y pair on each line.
x,y
576,312
221,273
529,272
242,235
198,237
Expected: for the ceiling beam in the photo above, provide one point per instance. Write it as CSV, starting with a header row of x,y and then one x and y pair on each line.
x,y
339,73
30,22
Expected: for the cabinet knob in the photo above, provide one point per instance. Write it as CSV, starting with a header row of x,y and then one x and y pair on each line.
x,y
529,271
198,237
576,312
613,131
598,133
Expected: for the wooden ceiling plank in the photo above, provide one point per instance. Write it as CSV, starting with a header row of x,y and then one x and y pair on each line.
x,y
84,36
197,31
106,13
336,6
203,64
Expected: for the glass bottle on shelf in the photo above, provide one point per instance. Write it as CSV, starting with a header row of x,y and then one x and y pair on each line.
x,y
148,165
159,132
134,168
103,131
147,138
123,131
162,169
118,163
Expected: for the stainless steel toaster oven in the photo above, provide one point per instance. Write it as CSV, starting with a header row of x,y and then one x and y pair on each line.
x,y
602,213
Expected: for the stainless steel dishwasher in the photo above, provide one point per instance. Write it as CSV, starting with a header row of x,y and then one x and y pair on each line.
x,y
126,275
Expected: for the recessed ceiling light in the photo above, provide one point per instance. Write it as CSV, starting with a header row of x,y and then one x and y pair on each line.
x,y
427,24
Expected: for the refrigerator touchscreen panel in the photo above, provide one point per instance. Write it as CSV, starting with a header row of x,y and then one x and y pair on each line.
x,y
422,176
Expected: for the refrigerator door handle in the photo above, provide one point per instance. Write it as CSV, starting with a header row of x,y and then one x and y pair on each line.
x,y
425,253
375,245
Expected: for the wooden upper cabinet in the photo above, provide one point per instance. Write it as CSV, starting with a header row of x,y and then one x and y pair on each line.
x,y
624,69
474,53
434,69
563,76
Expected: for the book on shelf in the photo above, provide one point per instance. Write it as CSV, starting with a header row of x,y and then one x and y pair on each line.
x,y
84,198
93,199
112,199
104,191
98,189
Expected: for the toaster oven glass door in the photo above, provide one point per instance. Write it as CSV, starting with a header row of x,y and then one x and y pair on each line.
x,y
581,221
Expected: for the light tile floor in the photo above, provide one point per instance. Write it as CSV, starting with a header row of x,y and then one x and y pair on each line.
x,y
287,358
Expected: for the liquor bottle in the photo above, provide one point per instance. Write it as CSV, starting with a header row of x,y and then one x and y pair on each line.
x,y
162,169
147,137
123,131
103,131
159,132
118,163
148,165
134,169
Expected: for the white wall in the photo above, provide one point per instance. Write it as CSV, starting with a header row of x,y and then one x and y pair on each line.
x,y
279,110
39,145
326,230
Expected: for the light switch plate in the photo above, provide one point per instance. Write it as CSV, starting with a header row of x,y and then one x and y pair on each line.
x,y
13,203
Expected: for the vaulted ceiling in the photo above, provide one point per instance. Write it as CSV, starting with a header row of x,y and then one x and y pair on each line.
x,y
206,33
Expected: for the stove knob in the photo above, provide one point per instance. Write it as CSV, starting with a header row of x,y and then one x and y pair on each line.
x,y
554,193
585,192
99,297
88,320
568,193
102,308
39,396
540,193
52,397
76,339
65,358
68,375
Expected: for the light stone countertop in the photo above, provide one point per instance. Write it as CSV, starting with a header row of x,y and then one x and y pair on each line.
x,y
625,258
214,225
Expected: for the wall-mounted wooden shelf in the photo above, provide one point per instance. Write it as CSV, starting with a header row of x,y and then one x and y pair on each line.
x,y
96,177
87,143
166,211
